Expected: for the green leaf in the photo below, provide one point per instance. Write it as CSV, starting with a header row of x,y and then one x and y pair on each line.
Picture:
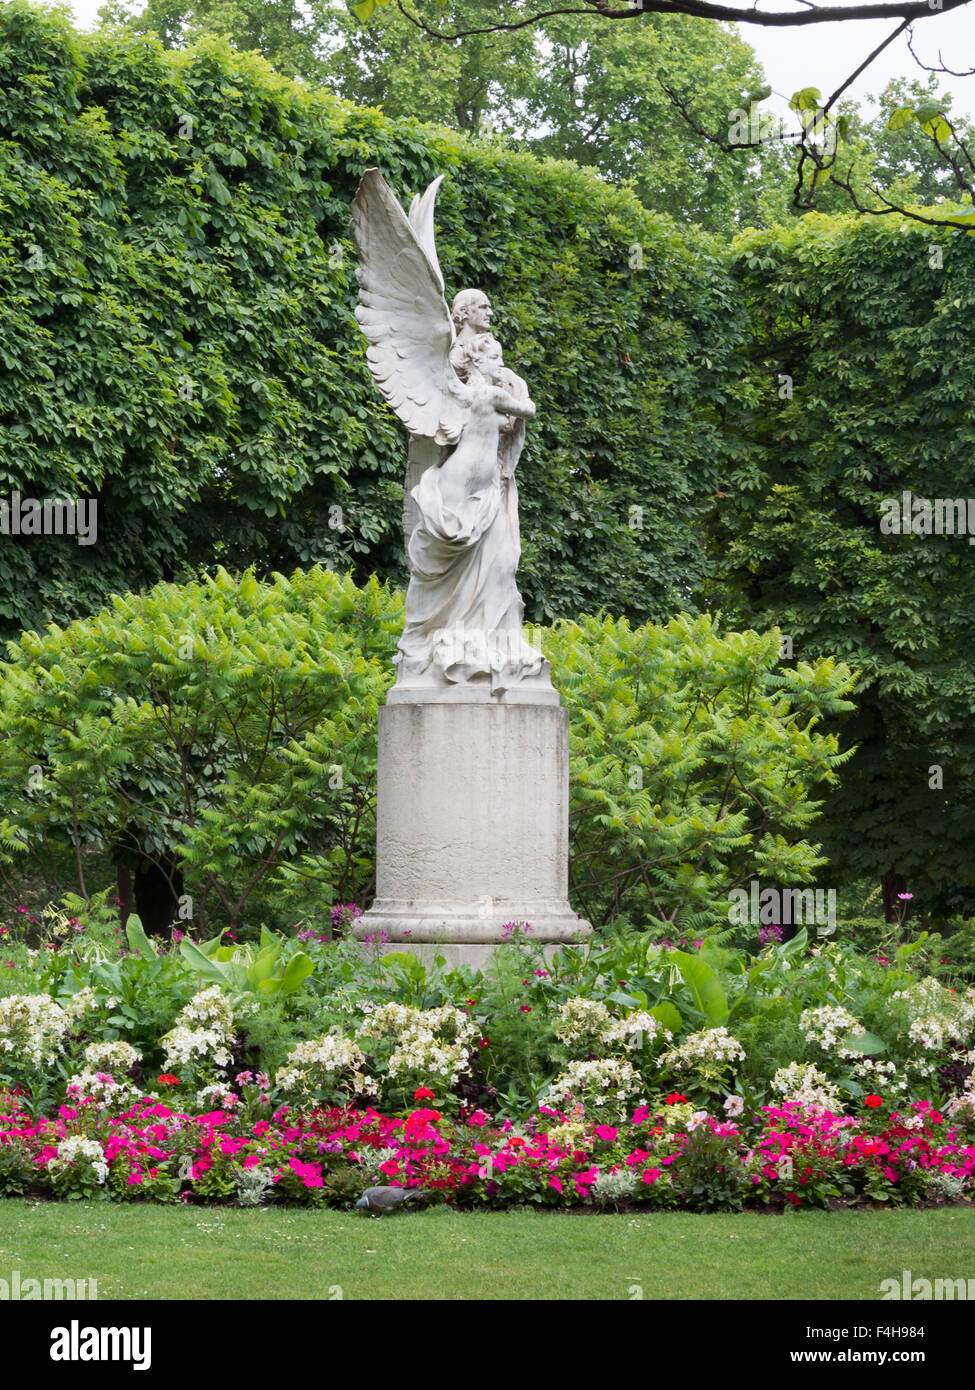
x,y
807,99
900,118
204,966
796,946
299,967
705,987
136,937
668,1016
866,1043
927,111
218,189
938,128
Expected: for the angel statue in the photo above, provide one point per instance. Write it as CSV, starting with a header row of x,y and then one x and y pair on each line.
x,y
443,374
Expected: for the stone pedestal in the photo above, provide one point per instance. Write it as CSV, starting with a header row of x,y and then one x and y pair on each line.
x,y
472,825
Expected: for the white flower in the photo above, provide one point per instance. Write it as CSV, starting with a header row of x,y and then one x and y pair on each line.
x,y
634,1030
32,1027
802,1082
593,1079
827,1026
311,1066
81,1003
202,1035
581,1018
76,1147
733,1105
707,1051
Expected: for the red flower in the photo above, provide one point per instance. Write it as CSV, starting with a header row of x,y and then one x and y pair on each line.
x,y
526,1008
673,1098
485,1042
423,1093
167,1080
874,1101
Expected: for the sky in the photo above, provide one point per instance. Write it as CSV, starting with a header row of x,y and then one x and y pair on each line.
x,y
823,55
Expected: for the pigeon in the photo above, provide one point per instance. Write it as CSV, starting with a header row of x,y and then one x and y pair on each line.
x,y
382,1200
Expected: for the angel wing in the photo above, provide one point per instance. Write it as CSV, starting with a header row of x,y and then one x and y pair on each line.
x,y
402,310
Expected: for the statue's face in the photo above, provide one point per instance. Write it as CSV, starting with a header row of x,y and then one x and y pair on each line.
x,y
491,363
481,314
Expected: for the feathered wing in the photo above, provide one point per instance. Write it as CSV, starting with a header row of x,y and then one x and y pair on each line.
x,y
402,310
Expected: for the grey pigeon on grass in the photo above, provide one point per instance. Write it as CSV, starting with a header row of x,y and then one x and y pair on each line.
x,y
382,1200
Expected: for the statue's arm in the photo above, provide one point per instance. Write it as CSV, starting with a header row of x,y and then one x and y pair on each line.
x,y
507,404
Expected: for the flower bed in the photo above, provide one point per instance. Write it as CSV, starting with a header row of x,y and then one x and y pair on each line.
x,y
665,1155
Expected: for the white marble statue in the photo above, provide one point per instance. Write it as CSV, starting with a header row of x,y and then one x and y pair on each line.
x,y
443,374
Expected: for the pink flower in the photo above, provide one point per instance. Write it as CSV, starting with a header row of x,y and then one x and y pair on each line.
x,y
640,1114
606,1133
556,1183
651,1175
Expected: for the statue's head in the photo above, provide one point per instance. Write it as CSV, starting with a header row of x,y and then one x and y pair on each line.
x,y
486,358
472,307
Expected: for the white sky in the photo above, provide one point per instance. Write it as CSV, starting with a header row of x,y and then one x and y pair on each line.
x,y
822,55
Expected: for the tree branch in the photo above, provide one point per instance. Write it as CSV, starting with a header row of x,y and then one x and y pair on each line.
x,y
906,10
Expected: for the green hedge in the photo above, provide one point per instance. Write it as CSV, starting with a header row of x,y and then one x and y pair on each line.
x,y
177,338
870,320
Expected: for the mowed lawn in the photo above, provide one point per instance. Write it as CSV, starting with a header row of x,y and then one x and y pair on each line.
x,y
151,1252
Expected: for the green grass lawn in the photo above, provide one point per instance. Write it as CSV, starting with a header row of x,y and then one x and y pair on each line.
x,y
151,1252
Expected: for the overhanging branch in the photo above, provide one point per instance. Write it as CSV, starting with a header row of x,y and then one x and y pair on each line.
x,y
906,10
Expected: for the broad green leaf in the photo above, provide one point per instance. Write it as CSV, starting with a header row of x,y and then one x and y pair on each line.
x,y
705,987
136,937
299,967
204,966
900,118
668,1016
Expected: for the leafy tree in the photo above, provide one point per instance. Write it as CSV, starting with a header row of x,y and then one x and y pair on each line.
x,y
820,123
602,100
216,738
593,94
906,160
693,755
480,82
287,34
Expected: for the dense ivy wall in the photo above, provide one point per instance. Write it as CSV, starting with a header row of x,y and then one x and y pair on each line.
x,y
177,339
858,386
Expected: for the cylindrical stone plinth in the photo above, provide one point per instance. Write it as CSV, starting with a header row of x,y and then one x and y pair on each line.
x,y
472,824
